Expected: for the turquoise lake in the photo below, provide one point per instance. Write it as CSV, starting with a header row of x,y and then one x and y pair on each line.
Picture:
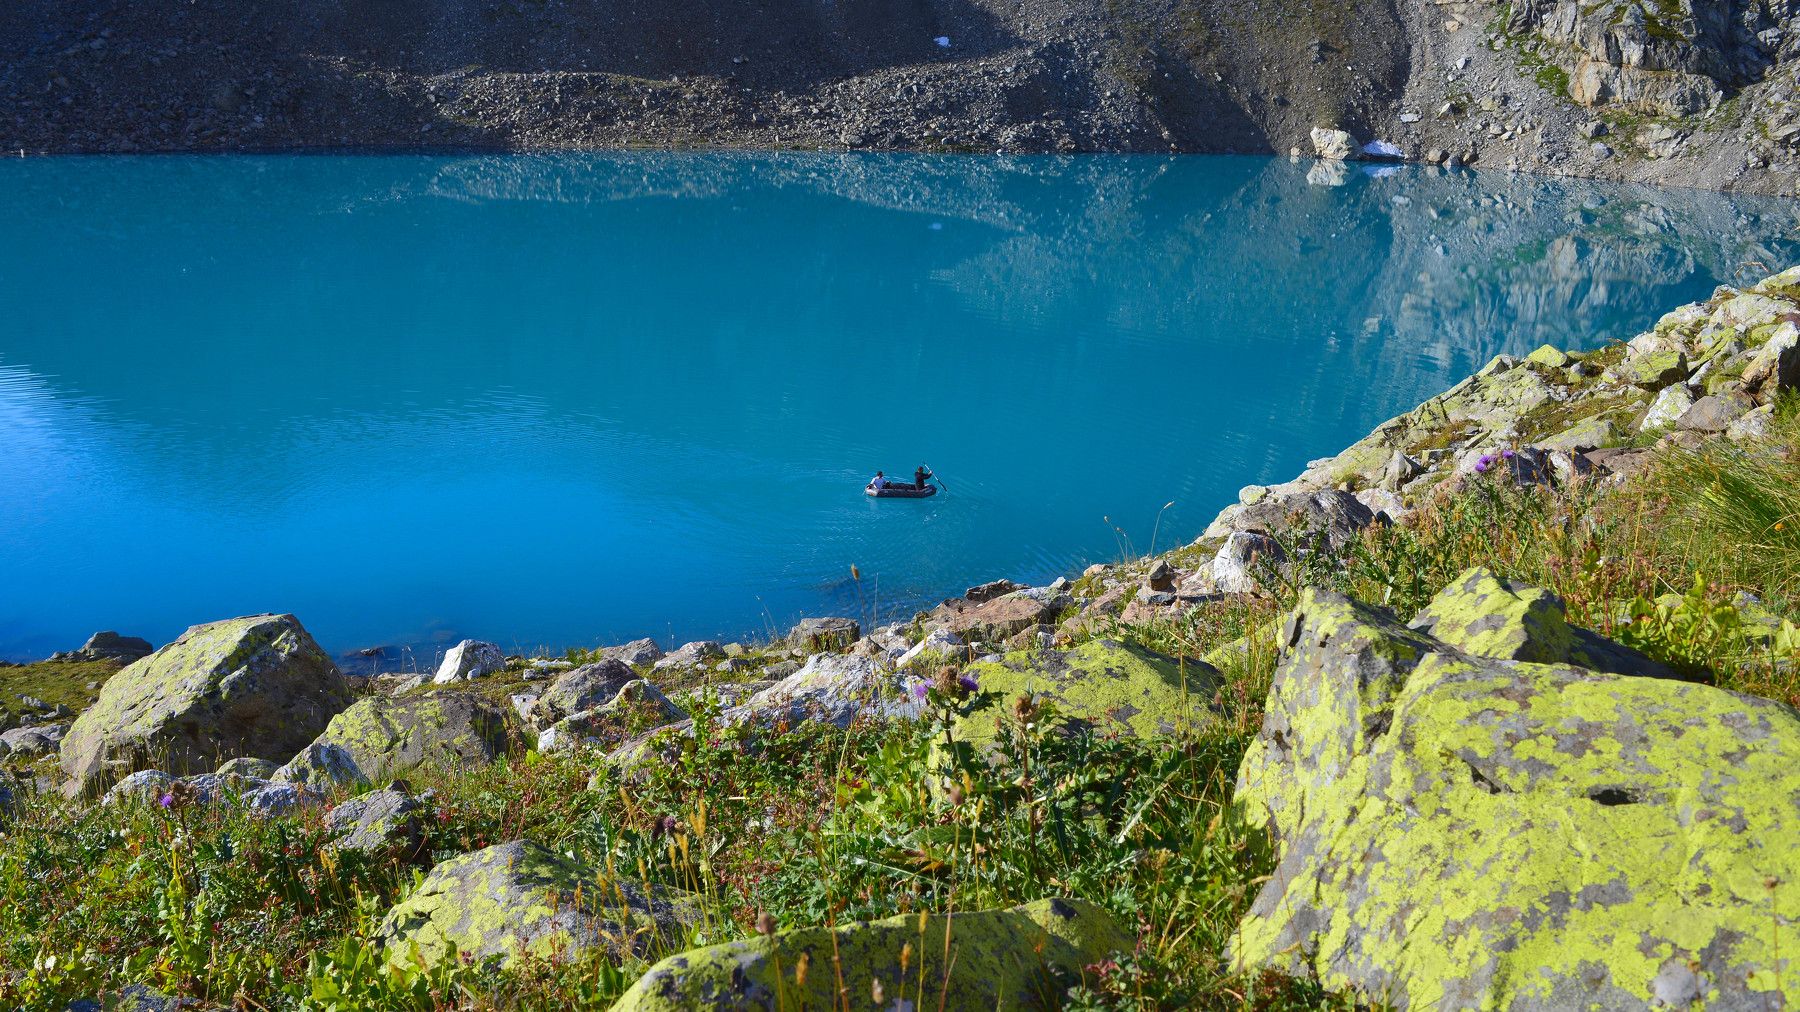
x,y
568,400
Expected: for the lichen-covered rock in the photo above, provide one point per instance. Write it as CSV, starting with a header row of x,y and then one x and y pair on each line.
x,y
321,767
1715,412
389,736
1460,831
1244,561
1587,434
108,646
1754,424
1334,516
584,688
1101,684
1481,614
822,635
470,659
1025,957
1655,369
388,819
256,686
691,655
140,787
1333,144
1775,367
1669,406
517,898
636,706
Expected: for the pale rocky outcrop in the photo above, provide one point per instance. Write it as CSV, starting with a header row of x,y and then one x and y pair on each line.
x,y
470,659
387,736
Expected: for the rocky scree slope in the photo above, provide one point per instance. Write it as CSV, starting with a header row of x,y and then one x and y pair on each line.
x,y
1672,91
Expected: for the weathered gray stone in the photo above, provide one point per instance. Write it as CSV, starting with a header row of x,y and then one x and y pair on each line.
x,y
691,655
388,819
581,689
1667,409
34,742
1333,144
389,736
636,706
256,686
108,646
320,767
1715,412
824,635
1244,561
637,653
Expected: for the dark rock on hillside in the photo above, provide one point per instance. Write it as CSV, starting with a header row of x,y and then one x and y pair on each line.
x,y
108,646
1488,831
256,686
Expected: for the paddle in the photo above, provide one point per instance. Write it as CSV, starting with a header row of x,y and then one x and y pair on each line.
x,y
934,474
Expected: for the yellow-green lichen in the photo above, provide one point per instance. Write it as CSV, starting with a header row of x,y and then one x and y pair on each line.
x,y
1108,685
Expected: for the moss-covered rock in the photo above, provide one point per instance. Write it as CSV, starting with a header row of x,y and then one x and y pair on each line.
x,y
321,767
1460,831
1023,958
1107,685
637,706
1481,614
582,689
1655,369
518,898
389,735
384,820
256,686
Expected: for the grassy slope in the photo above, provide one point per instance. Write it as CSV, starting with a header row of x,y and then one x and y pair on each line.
x,y
826,828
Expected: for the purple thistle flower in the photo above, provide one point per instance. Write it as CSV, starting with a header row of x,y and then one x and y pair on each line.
x,y
166,800
1508,454
969,683
1481,466
920,689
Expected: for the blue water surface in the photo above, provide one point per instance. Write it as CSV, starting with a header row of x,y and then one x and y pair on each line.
x,y
570,400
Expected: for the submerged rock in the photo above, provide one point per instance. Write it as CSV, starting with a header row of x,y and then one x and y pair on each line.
x,y
519,898
1024,957
389,736
256,686
1476,831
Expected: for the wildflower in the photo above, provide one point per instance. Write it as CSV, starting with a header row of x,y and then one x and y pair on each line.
x,y
969,683
1508,454
1486,461
920,689
167,801
876,993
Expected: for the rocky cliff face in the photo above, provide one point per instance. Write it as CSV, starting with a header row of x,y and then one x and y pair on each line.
x,y
1654,90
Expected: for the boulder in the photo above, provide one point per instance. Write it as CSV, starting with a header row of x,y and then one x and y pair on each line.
x,y
1025,957
1399,470
470,659
1715,412
321,767
995,619
581,689
1467,831
637,653
1479,613
519,898
1667,409
34,742
108,646
637,706
1108,686
1587,434
388,819
1775,367
937,641
256,686
691,655
140,998
1332,144
1655,369
988,591
1244,560
142,787
824,635
1754,424
832,688
1161,577
1332,515
389,736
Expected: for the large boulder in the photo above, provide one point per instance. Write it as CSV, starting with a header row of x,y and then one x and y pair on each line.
x,y
470,659
1479,613
321,767
1462,831
256,686
388,736
821,635
1025,957
835,688
1100,684
1335,517
584,688
638,653
33,742
520,898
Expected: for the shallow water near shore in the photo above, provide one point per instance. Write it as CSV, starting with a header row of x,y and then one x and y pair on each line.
x,y
565,400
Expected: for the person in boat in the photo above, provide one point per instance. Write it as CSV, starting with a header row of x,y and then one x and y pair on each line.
x,y
878,482
919,477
